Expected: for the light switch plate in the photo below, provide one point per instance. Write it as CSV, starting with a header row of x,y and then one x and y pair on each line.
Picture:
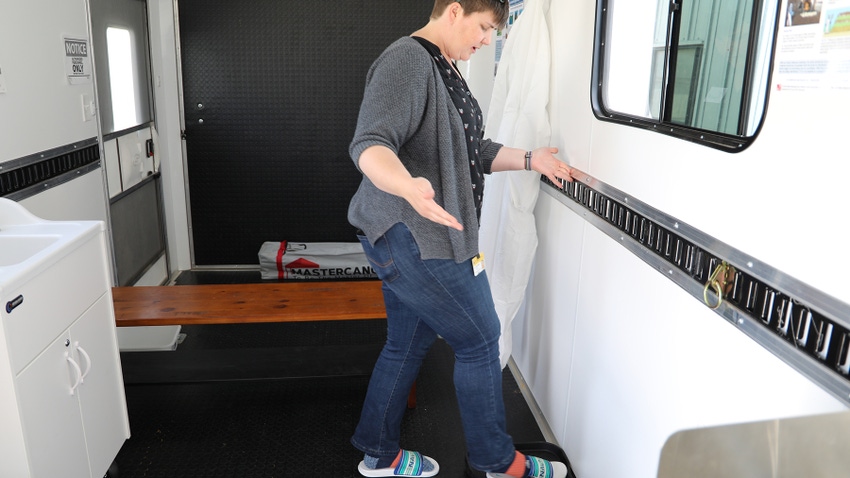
x,y
88,107
2,81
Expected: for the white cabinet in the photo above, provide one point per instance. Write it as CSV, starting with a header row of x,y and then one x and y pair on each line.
x,y
62,407
69,404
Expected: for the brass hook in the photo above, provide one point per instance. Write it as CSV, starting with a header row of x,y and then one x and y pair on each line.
x,y
719,281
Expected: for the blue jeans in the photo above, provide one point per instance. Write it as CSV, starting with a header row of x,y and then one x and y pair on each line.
x,y
425,298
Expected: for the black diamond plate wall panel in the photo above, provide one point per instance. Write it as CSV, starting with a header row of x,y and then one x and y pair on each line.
x,y
271,94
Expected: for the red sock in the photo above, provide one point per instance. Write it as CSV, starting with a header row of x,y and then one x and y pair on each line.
x,y
517,468
395,462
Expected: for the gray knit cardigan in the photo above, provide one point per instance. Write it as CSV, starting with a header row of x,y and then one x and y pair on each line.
x,y
407,108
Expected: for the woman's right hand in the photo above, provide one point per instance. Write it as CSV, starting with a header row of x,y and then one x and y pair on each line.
x,y
381,165
420,194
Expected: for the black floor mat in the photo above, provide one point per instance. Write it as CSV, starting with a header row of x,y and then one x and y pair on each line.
x,y
281,400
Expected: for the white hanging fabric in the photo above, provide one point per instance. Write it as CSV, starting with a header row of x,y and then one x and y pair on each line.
x,y
518,117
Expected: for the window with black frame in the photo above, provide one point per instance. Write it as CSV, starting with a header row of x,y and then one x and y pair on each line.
x,y
694,69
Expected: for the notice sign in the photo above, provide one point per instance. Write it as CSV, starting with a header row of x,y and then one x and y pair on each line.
x,y
77,61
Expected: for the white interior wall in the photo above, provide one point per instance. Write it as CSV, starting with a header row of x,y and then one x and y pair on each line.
x,y
112,165
135,163
617,356
81,199
40,109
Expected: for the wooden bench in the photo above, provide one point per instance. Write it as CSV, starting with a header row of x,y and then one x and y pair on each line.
x,y
248,303
300,301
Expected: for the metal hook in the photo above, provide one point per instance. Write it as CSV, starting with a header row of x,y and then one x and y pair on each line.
x,y
717,281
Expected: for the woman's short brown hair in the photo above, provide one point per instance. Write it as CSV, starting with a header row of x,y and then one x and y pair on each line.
x,y
498,7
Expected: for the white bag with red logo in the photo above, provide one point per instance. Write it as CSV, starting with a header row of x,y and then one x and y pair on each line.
x,y
318,260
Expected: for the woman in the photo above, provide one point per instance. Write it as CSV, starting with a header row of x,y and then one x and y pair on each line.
x,y
419,146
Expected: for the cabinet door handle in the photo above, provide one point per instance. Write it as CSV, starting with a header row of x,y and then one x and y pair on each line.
x,y
88,360
79,373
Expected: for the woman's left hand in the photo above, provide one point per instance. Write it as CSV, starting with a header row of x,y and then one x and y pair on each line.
x,y
543,161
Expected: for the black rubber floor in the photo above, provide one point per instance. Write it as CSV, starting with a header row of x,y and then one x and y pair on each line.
x,y
281,400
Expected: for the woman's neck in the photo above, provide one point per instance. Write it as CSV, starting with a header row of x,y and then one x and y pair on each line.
x,y
431,32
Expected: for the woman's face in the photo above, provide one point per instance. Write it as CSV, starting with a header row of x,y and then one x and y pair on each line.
x,y
471,32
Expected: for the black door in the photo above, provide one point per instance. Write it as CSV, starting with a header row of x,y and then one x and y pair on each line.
x,y
271,94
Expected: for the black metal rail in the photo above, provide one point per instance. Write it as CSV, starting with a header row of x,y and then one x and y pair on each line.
x,y
26,176
806,328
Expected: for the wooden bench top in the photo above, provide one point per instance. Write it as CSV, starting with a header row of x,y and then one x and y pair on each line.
x,y
300,301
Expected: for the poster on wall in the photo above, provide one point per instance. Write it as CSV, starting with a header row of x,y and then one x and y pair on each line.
x,y
516,7
813,47
78,67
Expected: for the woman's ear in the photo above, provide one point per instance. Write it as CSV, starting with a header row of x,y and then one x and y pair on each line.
x,y
455,10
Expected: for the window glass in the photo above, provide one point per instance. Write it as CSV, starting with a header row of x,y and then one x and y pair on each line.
x,y
629,48
122,83
700,66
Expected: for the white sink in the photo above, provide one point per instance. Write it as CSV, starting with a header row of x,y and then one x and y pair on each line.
x,y
16,249
29,244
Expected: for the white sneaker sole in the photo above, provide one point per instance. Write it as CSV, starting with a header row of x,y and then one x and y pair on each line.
x,y
384,472
559,470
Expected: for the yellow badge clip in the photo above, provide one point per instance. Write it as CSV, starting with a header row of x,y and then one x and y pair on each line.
x,y
478,264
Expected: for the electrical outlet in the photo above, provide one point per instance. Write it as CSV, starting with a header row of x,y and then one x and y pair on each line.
x,y
2,81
